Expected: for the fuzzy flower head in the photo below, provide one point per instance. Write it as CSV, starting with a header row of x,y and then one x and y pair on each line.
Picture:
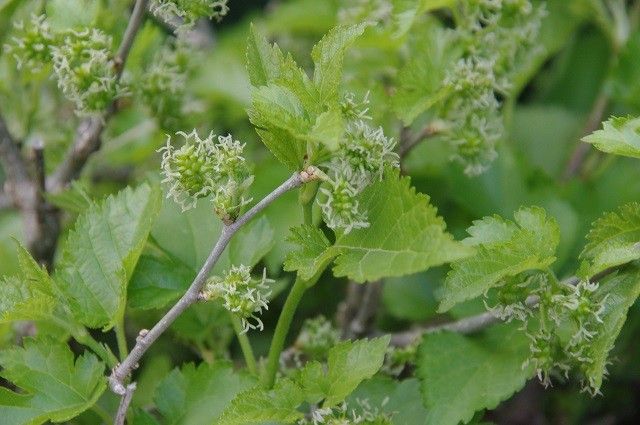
x,y
367,151
84,67
547,357
189,11
341,209
317,336
31,46
241,294
362,412
213,166
163,86
353,109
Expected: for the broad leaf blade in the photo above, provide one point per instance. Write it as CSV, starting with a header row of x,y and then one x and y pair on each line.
x,y
328,57
198,395
461,375
503,249
405,235
619,135
621,292
101,252
314,253
614,239
56,388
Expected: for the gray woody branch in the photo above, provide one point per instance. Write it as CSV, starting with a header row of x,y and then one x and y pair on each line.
x,y
146,338
89,132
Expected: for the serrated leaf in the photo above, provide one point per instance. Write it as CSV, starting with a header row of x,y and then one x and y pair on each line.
x,y
461,375
281,122
198,395
328,57
405,235
263,59
314,252
31,296
614,239
503,249
350,363
621,292
258,405
420,80
101,252
619,135
56,388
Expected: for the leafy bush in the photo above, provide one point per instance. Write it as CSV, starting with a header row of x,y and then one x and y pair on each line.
x,y
217,213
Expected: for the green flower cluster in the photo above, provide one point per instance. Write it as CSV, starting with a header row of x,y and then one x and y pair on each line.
x,y
189,11
360,159
31,45
317,337
82,62
205,167
241,294
397,359
495,36
561,328
162,86
84,67
361,414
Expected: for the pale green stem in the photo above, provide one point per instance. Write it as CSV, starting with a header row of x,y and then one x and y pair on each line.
x,y
121,338
245,345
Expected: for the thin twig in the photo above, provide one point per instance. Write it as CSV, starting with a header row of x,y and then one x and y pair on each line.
x,y
409,141
147,338
356,313
476,323
121,415
580,152
89,132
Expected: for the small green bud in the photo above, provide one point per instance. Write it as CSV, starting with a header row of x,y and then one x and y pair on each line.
x,y
341,208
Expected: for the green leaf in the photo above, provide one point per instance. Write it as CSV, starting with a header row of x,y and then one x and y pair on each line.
x,y
621,292
101,252
263,59
314,252
503,249
350,363
258,405
328,57
55,388
461,375
619,135
420,80
281,122
400,399
68,14
405,235
198,395
614,239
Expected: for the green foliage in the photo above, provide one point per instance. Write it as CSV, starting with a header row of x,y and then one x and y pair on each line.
x,y
101,252
613,240
197,395
55,387
405,236
619,293
461,375
619,135
503,249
